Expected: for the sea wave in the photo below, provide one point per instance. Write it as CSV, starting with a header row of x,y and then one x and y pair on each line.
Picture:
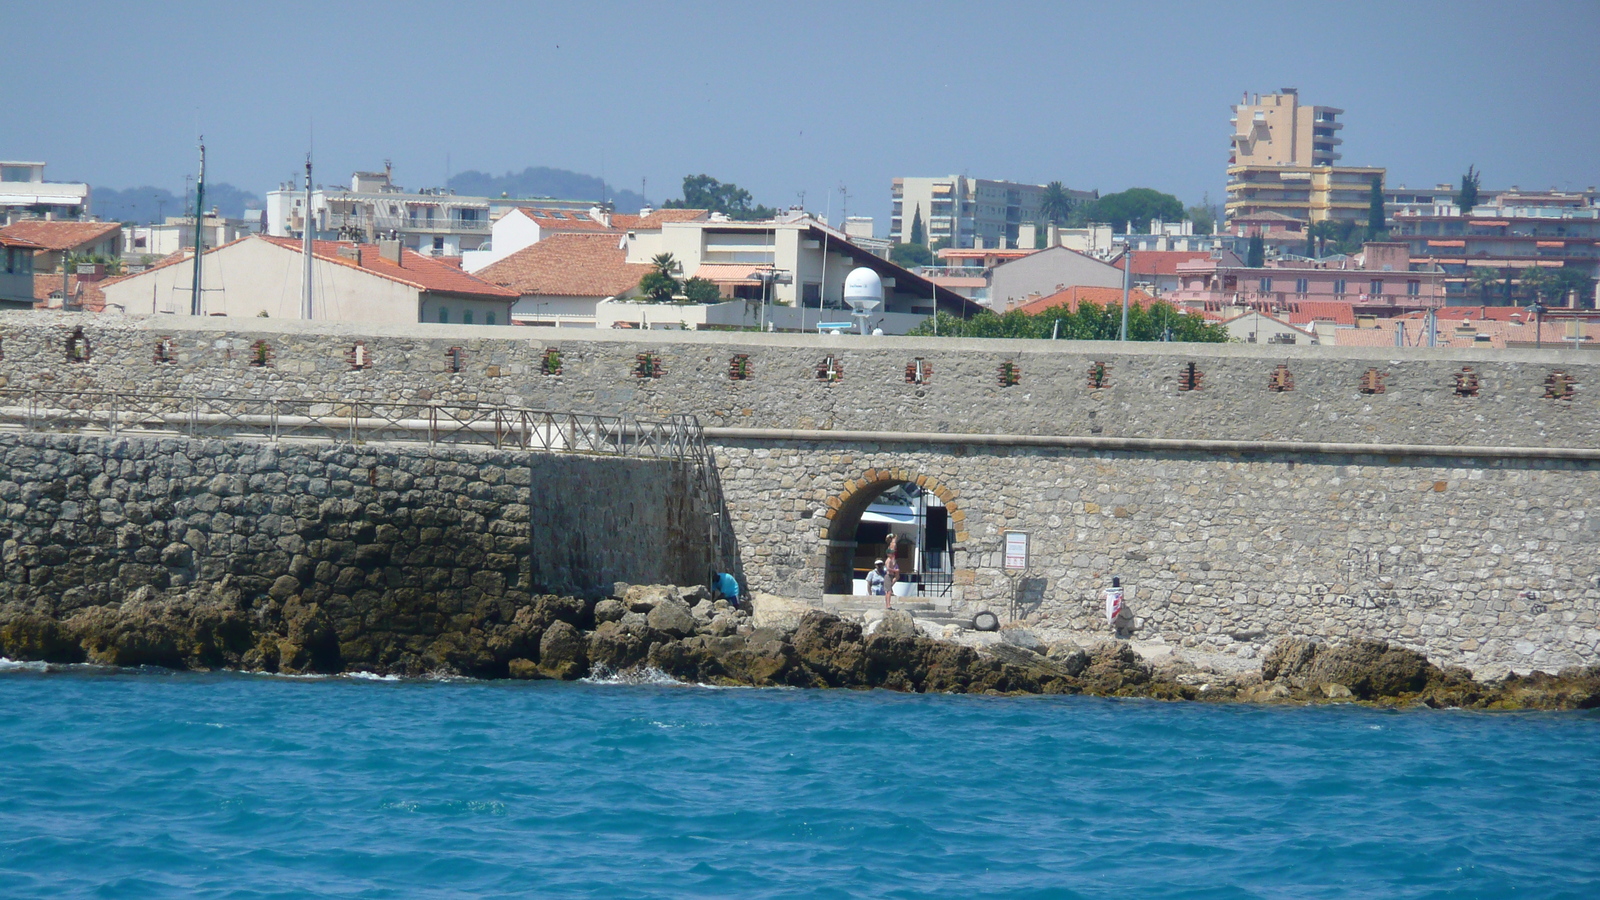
x,y
15,665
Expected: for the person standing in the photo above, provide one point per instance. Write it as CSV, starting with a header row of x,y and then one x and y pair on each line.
x,y
891,569
875,578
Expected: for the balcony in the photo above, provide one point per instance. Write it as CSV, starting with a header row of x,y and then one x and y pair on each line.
x,y
381,224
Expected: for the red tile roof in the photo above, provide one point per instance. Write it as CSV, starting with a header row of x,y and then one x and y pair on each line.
x,y
1162,262
568,265
87,293
51,235
415,270
1304,312
657,218
8,241
1072,296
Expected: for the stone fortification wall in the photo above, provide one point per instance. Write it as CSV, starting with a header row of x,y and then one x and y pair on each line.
x,y
86,521
1482,563
1330,394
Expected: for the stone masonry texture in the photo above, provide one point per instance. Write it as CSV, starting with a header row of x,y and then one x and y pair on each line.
x,y
1482,560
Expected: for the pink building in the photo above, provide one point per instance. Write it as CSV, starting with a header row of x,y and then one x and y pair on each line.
x,y
1383,280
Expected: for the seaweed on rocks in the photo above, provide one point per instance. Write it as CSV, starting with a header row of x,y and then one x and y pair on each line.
x,y
255,625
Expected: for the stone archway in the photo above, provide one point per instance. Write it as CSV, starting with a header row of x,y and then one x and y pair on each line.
x,y
844,516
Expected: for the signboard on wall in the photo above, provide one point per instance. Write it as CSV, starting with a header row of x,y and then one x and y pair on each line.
x,y
1016,549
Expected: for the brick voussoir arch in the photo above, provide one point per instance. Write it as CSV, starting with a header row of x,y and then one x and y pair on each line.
x,y
848,504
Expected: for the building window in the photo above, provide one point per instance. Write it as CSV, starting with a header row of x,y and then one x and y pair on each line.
x,y
1266,285
1338,285
438,242
466,317
1413,288
1375,288
1301,285
488,318
444,315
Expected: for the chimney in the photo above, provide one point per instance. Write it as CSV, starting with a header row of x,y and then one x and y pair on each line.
x,y
351,252
390,250
1053,235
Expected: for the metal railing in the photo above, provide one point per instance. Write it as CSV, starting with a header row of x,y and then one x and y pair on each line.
x,y
349,421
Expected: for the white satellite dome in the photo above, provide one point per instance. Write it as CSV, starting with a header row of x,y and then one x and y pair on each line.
x,y
863,289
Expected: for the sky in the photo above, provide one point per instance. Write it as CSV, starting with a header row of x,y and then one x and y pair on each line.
x,y
791,99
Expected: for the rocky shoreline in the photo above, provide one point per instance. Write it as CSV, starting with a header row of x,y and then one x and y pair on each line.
x,y
684,634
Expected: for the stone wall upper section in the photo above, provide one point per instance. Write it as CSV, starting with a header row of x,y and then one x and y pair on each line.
x,y
1512,398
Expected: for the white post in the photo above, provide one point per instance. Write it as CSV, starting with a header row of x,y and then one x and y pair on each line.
x,y
305,249
1127,281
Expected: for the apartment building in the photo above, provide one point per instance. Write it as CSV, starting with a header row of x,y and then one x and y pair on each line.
x,y
1383,280
24,194
1516,232
1283,159
1275,130
967,212
433,221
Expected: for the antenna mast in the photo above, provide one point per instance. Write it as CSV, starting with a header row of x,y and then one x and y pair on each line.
x,y
196,298
305,248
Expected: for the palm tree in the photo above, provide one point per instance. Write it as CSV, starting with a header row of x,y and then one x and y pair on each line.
x,y
665,263
1055,206
1483,279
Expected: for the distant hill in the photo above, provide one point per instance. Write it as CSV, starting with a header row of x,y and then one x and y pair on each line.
x,y
540,181
145,205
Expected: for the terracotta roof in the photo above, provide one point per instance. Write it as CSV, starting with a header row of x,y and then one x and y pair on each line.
x,y
1304,312
87,293
416,270
1162,262
563,219
1072,296
59,235
9,241
657,218
1268,215
568,265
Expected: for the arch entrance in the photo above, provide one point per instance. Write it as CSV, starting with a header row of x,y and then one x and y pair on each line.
x,y
918,508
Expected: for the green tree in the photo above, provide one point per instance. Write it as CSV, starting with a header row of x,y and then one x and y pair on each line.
x,y
1056,205
918,236
659,284
1539,285
1089,322
1376,221
1136,206
701,290
910,256
1574,281
1204,219
1322,232
1467,197
1256,256
1483,279
704,192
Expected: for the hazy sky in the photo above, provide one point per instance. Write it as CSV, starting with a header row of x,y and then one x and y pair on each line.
x,y
791,97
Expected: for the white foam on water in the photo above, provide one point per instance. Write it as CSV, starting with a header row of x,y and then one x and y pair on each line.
x,y
646,675
371,676
12,665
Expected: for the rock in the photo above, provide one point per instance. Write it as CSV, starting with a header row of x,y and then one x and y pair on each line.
x,y
1072,658
1018,636
693,595
642,598
1264,693
1369,669
1288,658
525,669
672,617
618,647
563,653
702,612
636,621
609,610
772,611
1334,691
890,621
723,625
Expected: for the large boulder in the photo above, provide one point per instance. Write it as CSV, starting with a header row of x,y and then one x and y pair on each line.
x,y
618,646
672,617
609,610
831,647
563,653
1368,669
890,621
771,611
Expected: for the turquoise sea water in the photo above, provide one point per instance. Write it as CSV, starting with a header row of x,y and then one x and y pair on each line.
x,y
155,784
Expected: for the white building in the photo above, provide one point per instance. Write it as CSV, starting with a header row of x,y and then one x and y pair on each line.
x,y
177,234
433,222
24,194
968,212
351,282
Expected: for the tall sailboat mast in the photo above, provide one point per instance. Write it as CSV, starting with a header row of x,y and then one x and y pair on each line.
x,y
305,250
196,298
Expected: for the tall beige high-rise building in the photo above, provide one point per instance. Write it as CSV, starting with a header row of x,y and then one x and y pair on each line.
x,y
1276,130
1282,160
